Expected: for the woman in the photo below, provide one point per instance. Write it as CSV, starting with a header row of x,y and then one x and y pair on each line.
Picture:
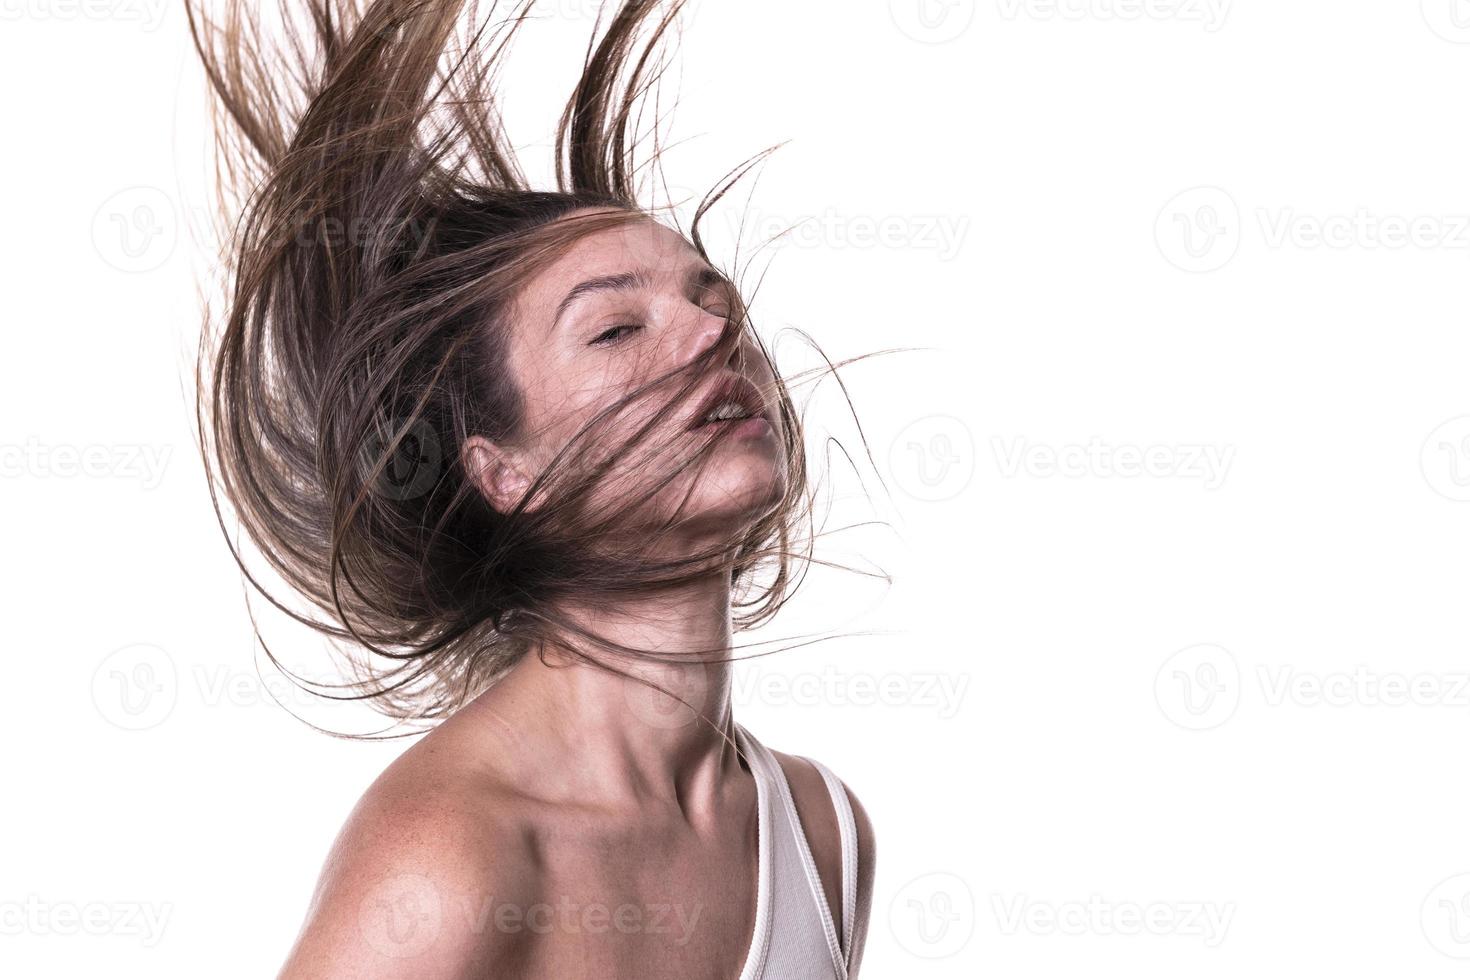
x,y
526,459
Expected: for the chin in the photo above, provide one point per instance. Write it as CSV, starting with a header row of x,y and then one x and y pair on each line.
x,y
731,493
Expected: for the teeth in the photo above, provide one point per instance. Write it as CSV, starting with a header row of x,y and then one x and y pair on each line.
x,y
724,411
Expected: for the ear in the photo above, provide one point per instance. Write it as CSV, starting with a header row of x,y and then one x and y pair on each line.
x,y
494,471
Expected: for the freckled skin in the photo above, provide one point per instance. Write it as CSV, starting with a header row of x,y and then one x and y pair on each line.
x,y
570,822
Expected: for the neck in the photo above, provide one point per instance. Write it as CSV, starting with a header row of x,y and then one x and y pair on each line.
x,y
615,735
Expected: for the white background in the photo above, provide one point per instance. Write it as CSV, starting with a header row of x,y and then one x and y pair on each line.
x,y
1223,694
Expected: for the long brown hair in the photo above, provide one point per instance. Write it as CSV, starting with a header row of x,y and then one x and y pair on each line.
x,y
378,226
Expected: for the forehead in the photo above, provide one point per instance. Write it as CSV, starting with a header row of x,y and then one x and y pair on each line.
x,y
640,245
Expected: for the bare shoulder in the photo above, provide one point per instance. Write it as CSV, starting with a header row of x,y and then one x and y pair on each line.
x,y
809,790
819,822
407,887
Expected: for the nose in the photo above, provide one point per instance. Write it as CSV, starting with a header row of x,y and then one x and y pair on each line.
x,y
705,331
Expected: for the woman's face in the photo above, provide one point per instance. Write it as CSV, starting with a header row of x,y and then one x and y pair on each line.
x,y
623,306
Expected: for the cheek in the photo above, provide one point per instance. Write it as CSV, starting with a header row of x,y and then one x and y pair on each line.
x,y
562,402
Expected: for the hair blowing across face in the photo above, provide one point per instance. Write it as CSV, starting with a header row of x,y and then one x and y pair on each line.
x,y
378,230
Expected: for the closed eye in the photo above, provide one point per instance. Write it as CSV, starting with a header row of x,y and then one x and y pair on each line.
x,y
614,334
716,299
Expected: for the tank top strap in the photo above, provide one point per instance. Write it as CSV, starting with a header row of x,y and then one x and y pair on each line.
x,y
847,831
766,766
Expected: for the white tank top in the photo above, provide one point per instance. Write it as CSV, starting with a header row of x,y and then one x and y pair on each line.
x,y
796,934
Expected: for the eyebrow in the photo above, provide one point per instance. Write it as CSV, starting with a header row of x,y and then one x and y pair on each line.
x,y
701,277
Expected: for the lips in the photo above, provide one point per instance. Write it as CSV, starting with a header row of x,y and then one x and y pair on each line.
x,y
733,388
